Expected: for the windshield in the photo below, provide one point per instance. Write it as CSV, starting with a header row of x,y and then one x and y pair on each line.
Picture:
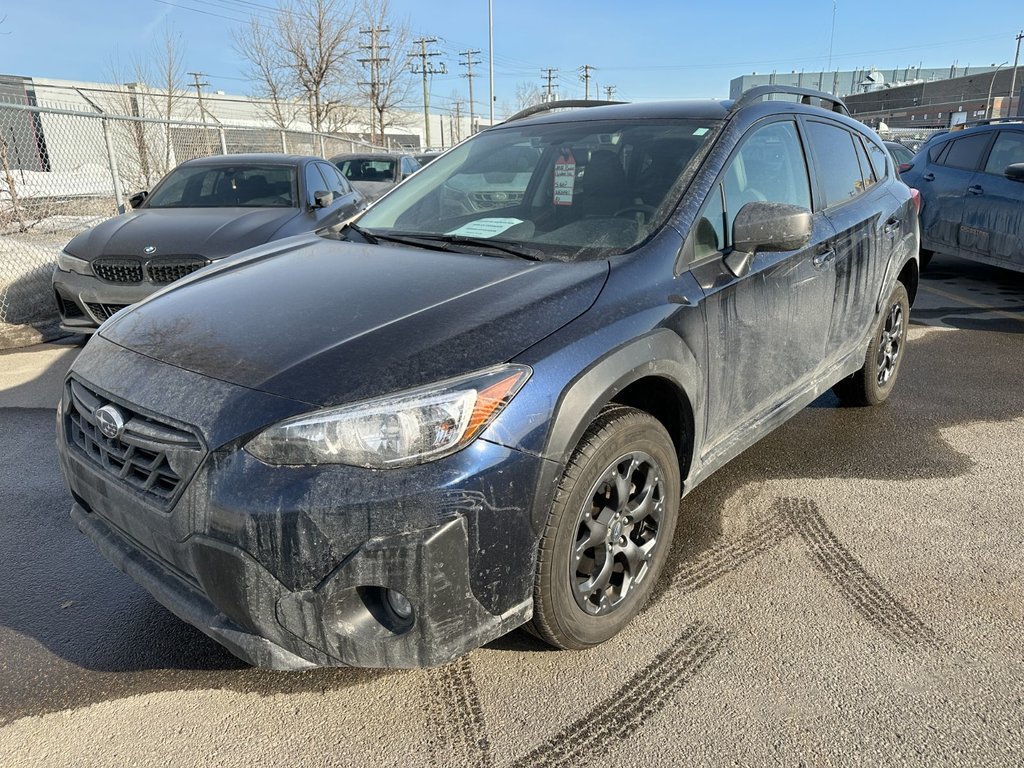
x,y
566,190
367,169
226,186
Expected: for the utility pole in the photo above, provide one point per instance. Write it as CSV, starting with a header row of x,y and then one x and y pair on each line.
x,y
609,91
199,93
490,51
426,69
455,131
551,74
1013,77
374,60
468,64
585,71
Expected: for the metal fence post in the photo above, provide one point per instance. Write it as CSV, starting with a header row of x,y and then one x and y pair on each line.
x,y
284,143
112,162
223,141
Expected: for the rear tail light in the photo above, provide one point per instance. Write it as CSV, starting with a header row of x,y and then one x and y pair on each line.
x,y
904,167
916,197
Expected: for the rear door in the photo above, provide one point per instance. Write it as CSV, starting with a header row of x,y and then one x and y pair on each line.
x,y
944,186
864,217
767,329
993,220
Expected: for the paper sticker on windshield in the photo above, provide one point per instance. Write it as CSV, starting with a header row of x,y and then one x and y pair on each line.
x,y
565,178
485,227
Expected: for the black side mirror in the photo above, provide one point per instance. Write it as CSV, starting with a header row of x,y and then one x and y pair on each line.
x,y
322,199
1014,172
138,198
763,226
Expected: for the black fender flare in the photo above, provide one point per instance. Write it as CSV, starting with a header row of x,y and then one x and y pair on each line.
x,y
659,354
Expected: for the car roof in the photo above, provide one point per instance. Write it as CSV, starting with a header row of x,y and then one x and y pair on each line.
x,y
253,158
369,156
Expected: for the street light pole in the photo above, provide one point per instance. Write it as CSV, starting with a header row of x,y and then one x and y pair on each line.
x,y
988,99
490,50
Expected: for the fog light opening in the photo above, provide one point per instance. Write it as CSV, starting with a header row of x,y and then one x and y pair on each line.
x,y
399,603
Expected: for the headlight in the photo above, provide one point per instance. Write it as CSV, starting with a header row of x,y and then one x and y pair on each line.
x,y
70,263
411,427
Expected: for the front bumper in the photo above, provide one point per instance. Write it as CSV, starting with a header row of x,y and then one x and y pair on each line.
x,y
288,567
85,301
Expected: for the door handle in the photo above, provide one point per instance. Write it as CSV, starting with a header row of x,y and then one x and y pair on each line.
x,y
975,189
822,257
928,177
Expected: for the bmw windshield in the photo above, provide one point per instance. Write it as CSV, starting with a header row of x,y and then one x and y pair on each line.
x,y
226,186
559,190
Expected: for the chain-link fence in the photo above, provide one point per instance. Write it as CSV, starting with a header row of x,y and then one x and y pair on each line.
x,y
63,171
911,137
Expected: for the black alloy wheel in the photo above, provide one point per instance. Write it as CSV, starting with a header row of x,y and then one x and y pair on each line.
x,y
609,531
885,352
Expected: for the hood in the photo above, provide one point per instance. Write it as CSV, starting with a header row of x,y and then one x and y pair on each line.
x,y
329,322
210,232
371,190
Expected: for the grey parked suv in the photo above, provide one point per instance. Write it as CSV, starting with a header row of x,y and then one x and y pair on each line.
x,y
389,446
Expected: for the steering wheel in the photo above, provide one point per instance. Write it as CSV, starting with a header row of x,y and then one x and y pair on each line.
x,y
636,208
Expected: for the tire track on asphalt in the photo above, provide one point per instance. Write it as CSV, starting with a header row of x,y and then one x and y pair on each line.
x,y
457,731
727,556
865,594
645,694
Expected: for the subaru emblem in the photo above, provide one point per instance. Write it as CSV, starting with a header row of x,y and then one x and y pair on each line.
x,y
110,421
149,249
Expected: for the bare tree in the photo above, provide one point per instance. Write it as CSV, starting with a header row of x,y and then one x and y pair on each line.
x,y
269,68
317,40
528,95
389,78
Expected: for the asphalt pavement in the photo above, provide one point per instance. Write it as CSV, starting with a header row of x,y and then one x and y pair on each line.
x,y
849,591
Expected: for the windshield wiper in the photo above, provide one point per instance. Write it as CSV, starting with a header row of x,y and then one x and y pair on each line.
x,y
504,246
371,239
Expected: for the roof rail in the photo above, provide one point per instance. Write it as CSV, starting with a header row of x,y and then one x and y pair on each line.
x,y
764,92
552,105
991,120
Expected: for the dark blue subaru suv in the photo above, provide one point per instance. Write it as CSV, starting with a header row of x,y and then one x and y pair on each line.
x,y
479,406
972,193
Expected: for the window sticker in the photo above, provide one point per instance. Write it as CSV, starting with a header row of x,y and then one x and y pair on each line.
x,y
485,227
565,177
700,131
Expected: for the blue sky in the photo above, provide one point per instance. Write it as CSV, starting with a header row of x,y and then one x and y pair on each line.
x,y
648,50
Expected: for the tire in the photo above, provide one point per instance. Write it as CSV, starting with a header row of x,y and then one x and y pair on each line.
x,y
622,449
872,384
925,258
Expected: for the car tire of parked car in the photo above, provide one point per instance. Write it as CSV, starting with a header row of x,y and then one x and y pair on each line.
x,y
609,531
872,384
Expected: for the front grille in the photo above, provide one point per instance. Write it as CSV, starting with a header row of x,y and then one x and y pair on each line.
x,y
496,199
104,311
118,270
149,456
169,270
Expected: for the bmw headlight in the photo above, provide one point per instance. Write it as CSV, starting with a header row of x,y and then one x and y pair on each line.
x,y
69,263
411,427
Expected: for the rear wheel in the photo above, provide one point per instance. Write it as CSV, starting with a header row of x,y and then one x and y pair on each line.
x,y
609,531
872,384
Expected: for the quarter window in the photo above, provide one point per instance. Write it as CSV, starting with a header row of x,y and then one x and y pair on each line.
x,y
1007,150
877,156
865,167
836,157
966,153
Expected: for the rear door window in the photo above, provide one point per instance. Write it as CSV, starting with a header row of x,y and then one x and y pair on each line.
x,y
1007,150
966,153
836,158
877,156
865,167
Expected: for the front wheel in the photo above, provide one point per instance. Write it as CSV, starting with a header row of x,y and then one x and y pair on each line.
x,y
872,384
609,531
